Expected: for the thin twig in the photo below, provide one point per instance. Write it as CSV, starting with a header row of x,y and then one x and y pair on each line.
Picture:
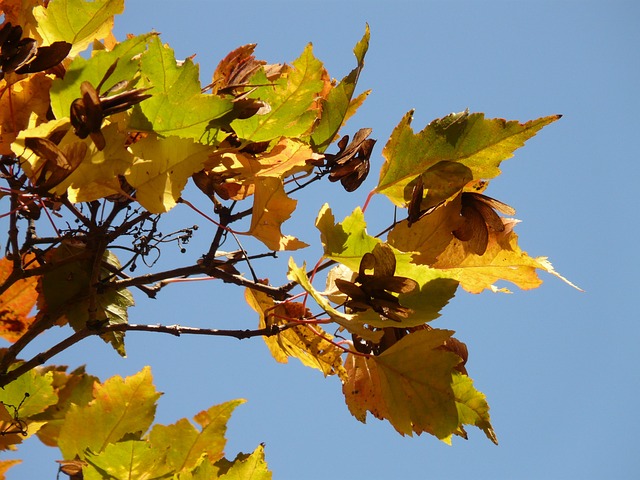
x,y
176,330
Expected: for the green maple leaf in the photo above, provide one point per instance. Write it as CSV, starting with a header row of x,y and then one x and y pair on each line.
x,y
185,445
291,99
177,106
65,90
476,143
127,460
120,407
339,104
32,392
78,22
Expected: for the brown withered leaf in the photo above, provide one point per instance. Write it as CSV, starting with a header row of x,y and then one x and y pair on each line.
x,y
350,165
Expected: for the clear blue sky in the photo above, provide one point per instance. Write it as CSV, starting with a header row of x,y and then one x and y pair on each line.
x,y
559,367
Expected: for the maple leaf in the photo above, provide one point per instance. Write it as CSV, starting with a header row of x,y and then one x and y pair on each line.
x,y
26,98
271,208
177,106
121,406
338,105
309,344
17,301
123,63
291,98
348,242
502,260
409,385
127,460
472,405
234,173
162,168
78,22
75,388
65,293
247,467
348,321
185,445
476,143
5,465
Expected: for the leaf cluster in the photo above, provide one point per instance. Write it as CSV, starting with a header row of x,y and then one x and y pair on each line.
x,y
97,148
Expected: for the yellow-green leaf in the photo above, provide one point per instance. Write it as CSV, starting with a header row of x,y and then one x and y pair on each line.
x,y
162,168
475,142
78,22
291,100
472,405
177,107
127,460
185,445
338,105
249,467
120,407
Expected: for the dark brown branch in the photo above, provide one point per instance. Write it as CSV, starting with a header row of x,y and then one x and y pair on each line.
x,y
176,330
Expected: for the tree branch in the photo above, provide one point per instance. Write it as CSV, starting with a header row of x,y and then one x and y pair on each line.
x,y
175,330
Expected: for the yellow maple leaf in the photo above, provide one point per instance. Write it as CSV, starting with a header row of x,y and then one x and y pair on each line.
x,y
18,102
503,260
271,208
161,169
309,344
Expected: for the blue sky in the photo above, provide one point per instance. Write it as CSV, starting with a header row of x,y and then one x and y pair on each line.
x,y
559,367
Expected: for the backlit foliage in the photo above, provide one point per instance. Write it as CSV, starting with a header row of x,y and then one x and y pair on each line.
x,y
99,138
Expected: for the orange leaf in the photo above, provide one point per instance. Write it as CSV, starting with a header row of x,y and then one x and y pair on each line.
x,y
16,303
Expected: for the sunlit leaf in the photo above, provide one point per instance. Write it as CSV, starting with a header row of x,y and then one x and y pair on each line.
x,y
503,260
75,388
271,208
127,460
291,99
248,467
185,444
121,406
339,104
472,405
177,107
27,97
65,90
310,344
348,241
162,168
78,22
475,142
409,385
